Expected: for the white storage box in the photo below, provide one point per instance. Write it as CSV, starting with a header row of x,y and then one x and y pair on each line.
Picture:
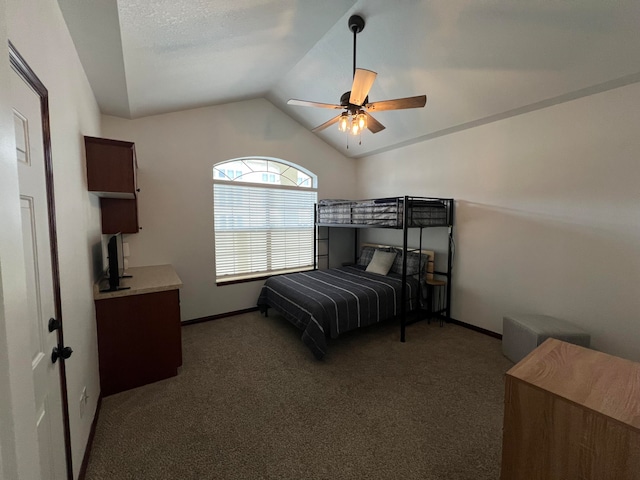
x,y
523,333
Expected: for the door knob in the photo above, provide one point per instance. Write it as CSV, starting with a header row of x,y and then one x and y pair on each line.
x,y
54,324
63,353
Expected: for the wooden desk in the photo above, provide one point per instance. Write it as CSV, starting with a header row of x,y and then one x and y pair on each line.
x,y
571,413
139,336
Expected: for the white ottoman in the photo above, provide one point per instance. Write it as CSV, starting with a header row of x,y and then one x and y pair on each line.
x,y
523,333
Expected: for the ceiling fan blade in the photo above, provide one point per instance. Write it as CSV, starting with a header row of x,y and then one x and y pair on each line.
x,y
304,103
362,82
373,125
398,103
326,124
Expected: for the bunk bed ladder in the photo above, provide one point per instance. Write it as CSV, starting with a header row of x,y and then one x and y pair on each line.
x,y
318,237
315,237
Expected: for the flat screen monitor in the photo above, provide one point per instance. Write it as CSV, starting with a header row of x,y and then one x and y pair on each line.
x,y
115,263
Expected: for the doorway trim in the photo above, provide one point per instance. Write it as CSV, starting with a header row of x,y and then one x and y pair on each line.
x,y
24,71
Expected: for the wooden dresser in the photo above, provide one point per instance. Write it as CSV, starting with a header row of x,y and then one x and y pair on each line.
x,y
139,336
571,413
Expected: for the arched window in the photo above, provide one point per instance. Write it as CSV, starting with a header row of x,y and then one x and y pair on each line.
x,y
263,211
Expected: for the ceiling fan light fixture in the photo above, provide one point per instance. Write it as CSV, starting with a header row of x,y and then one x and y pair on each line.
x,y
355,127
362,120
343,123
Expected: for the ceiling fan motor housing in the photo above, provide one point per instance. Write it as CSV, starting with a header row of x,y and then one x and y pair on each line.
x,y
344,101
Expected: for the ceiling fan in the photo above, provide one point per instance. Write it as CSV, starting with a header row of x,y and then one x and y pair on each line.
x,y
355,103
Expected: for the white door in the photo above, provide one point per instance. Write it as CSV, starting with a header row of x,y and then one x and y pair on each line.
x,y
39,273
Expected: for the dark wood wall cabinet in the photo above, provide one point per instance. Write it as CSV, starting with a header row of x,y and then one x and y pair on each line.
x,y
111,174
119,215
139,336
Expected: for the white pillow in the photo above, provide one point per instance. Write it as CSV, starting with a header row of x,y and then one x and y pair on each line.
x,y
381,262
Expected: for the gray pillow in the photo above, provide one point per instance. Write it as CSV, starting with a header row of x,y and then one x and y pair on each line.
x,y
366,254
381,262
415,263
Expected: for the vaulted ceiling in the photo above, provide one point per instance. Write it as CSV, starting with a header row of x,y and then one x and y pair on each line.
x,y
477,61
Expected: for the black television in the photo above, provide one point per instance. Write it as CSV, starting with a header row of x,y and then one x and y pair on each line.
x,y
115,263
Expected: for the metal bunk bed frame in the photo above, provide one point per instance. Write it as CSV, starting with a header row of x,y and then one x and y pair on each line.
x,y
407,223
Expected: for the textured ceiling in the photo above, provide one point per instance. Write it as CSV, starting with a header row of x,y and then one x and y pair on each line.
x,y
477,61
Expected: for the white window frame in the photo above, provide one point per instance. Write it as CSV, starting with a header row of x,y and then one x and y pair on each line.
x,y
254,237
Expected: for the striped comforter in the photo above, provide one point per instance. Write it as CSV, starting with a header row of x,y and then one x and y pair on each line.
x,y
326,303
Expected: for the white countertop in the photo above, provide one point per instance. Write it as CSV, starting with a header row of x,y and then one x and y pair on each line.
x,y
156,278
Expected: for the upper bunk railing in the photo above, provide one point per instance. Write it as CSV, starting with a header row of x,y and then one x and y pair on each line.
x,y
386,212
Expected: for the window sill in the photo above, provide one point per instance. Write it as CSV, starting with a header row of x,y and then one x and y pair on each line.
x,y
253,278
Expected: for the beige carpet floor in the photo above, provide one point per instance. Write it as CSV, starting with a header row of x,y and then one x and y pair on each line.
x,y
251,402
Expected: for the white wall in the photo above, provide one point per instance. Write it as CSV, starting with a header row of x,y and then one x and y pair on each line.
x,y
38,31
176,153
548,213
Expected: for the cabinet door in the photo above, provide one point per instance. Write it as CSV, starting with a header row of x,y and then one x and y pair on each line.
x,y
111,167
139,339
119,215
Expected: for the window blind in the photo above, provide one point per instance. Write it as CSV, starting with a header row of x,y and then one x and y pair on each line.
x,y
262,230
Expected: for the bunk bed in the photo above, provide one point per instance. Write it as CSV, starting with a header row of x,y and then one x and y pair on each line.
x,y
326,303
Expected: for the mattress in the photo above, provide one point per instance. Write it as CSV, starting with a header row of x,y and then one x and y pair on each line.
x,y
325,303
